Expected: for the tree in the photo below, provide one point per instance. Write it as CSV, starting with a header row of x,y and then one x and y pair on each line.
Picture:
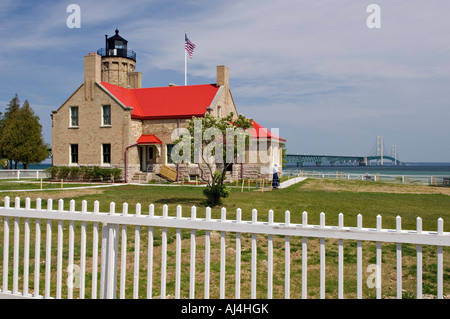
x,y
12,107
21,135
213,144
283,155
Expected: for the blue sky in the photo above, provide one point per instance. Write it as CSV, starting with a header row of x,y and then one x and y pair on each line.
x,y
313,69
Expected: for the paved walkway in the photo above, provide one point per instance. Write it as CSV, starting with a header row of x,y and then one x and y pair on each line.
x,y
282,185
292,181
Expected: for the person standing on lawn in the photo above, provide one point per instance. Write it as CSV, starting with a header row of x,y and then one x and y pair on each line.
x,y
275,180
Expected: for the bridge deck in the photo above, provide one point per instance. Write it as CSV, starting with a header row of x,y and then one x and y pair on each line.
x,y
332,159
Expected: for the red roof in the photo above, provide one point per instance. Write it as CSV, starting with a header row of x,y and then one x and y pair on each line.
x,y
262,132
165,102
173,102
149,139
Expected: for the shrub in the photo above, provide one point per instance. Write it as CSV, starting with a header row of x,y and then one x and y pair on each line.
x,y
74,173
52,171
116,173
84,173
63,172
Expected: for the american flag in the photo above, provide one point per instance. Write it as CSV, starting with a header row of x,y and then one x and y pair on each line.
x,y
188,45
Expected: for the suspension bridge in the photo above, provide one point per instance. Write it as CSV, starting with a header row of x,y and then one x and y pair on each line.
x,y
379,158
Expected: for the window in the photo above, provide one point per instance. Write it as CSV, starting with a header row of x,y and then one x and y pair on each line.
x,y
219,111
73,153
169,153
150,153
74,116
106,115
119,45
106,153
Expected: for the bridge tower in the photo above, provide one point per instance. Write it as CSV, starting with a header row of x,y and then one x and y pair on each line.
x,y
394,154
380,149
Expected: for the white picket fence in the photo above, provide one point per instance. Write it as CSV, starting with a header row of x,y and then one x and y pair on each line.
x,y
108,227
23,174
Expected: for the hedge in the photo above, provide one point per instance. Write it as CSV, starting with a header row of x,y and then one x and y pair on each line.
x,y
84,173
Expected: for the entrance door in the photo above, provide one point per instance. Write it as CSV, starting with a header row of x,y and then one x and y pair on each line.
x,y
142,151
147,157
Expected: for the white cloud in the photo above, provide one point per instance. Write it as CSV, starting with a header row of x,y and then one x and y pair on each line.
x,y
310,61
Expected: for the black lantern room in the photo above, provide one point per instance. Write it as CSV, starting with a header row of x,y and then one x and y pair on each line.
x,y
116,46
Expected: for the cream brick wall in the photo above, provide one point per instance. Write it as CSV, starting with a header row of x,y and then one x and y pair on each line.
x,y
163,129
90,134
225,105
115,70
124,131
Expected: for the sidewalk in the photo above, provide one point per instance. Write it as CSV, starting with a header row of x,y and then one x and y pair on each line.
x,y
292,181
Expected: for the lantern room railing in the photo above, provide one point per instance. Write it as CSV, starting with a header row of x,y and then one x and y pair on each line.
x,y
130,54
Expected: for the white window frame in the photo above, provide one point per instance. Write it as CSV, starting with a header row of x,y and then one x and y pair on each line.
x,y
168,153
71,154
72,108
110,154
103,116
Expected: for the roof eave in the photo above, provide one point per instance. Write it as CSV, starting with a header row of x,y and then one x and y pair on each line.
x,y
127,108
162,117
216,98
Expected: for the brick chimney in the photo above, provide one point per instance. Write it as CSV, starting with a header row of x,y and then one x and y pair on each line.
x,y
92,74
92,67
135,80
223,76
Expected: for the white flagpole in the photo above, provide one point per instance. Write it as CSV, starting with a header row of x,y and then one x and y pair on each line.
x,y
185,60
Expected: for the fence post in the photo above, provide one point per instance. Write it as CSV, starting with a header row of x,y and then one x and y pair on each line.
x,y
222,255
322,258
287,257
270,260
253,258
192,261
440,262
341,259
108,276
304,258
398,221
379,260
359,261
419,260
237,293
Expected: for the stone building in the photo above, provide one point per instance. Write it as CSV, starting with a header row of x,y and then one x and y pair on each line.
x,y
111,121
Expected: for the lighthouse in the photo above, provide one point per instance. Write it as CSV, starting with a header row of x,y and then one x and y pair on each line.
x,y
119,63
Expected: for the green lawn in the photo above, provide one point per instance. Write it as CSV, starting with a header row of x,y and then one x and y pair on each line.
x,y
296,199
14,184
332,199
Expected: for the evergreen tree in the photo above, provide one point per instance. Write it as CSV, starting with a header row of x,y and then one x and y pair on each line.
x,y
21,135
12,107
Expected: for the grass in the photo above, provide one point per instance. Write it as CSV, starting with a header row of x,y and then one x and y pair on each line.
x,y
36,185
314,196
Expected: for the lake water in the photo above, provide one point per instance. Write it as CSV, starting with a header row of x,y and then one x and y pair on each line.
x,y
418,170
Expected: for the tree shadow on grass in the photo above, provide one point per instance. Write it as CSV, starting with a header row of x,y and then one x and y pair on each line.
x,y
183,201
186,202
